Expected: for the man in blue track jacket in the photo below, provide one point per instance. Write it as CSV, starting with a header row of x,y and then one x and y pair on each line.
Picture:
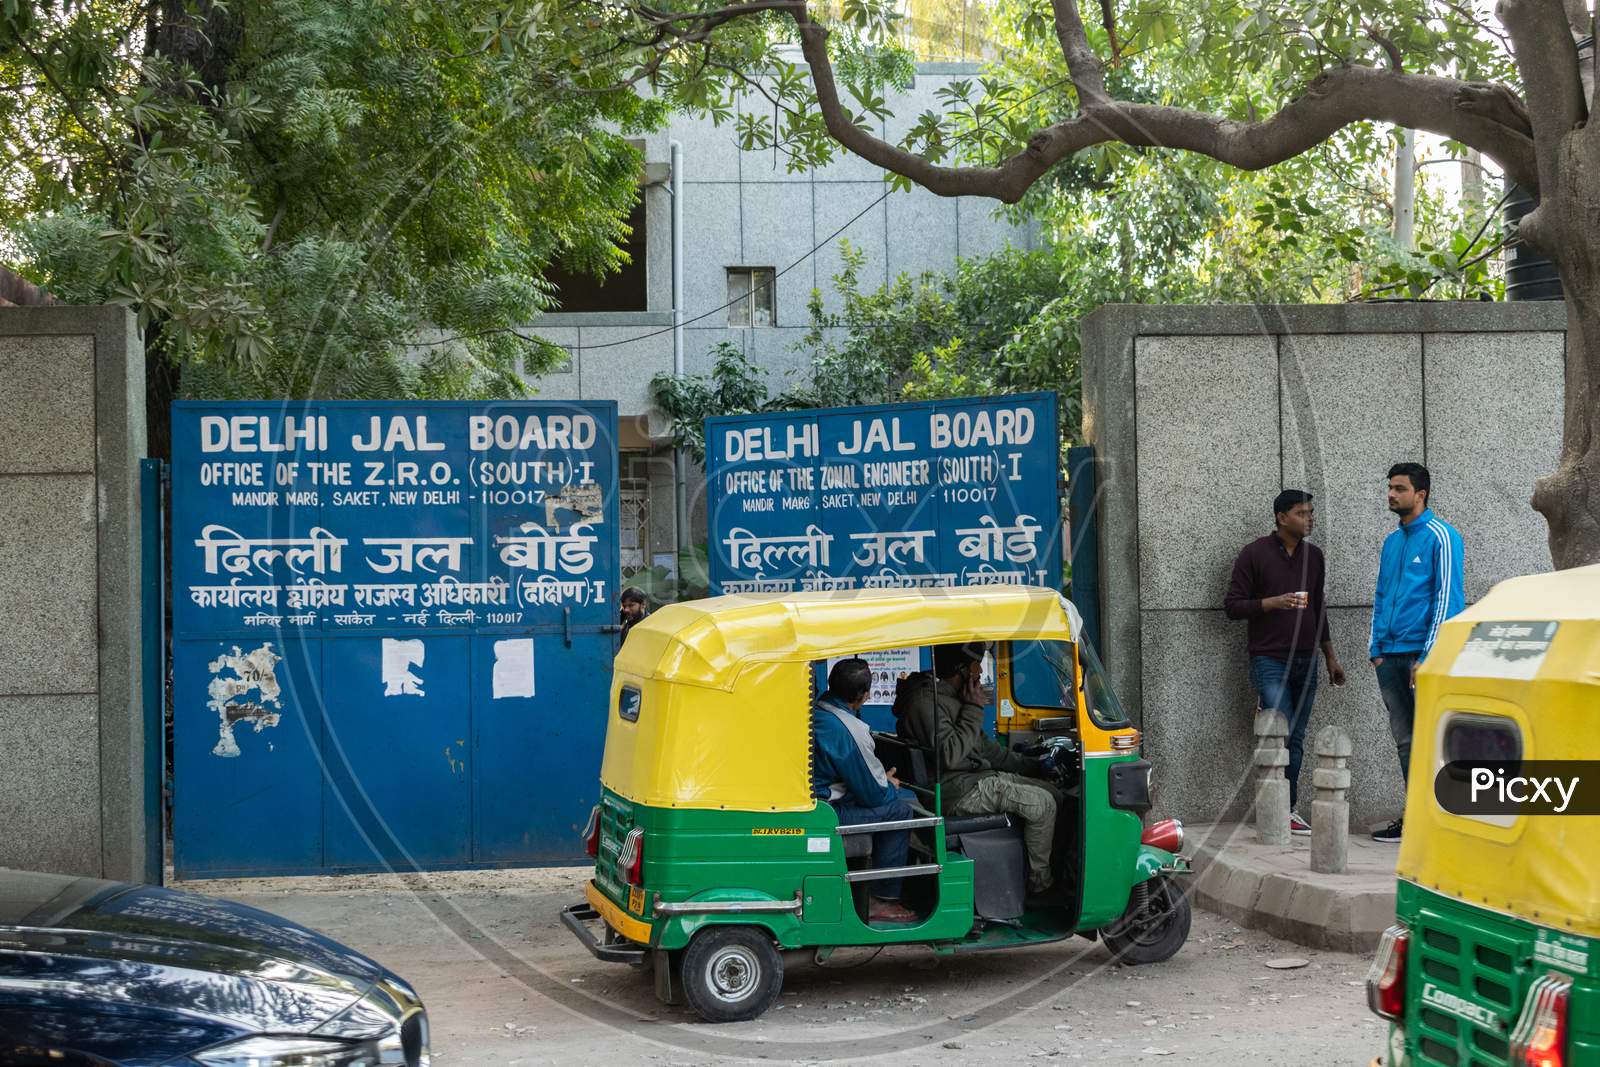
x,y
1420,584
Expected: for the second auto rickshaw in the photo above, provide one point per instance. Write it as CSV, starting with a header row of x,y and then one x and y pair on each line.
x,y
712,857
1494,959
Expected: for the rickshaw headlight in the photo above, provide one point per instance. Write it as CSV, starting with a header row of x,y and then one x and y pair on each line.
x,y
630,859
1386,981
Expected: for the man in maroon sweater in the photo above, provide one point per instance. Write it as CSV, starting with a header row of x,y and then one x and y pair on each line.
x,y
1277,587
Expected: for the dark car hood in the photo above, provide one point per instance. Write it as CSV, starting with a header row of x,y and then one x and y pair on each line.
x,y
225,966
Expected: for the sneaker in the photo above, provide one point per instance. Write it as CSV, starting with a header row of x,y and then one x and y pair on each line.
x,y
1389,834
1298,826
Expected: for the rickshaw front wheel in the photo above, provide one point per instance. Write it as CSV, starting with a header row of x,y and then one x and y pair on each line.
x,y
731,973
1155,925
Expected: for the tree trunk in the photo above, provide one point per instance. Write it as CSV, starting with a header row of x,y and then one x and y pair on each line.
x,y
1563,227
1569,497
204,38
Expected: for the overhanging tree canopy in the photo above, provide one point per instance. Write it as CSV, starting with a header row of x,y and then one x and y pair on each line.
x,y
290,193
1511,90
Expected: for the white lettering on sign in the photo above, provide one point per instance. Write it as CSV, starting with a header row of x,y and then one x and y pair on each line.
x,y
401,434
989,541
748,552
510,433
876,437
401,553
980,429
260,433
237,554
755,443
537,549
878,549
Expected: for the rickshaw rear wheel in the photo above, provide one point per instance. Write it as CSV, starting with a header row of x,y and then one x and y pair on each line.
x,y
731,973
1155,925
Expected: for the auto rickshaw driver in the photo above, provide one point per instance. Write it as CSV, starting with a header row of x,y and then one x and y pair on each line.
x,y
942,712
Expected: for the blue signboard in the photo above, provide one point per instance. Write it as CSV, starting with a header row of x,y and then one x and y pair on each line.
x,y
393,631
948,492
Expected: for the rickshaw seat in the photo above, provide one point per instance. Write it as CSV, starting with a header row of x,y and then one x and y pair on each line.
x,y
912,761
973,824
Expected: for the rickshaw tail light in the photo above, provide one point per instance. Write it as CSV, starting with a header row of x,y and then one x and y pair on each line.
x,y
1540,1037
591,832
1386,981
630,860
1166,835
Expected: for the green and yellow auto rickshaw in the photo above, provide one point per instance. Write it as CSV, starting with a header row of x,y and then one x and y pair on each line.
x,y
712,857
1494,959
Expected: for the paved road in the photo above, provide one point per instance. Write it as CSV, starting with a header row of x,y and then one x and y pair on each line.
x,y
506,984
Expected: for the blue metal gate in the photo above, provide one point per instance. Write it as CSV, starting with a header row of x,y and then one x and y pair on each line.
x,y
392,633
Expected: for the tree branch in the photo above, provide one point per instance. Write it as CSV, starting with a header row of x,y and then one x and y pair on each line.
x,y
1548,61
1337,98
1479,115
1088,74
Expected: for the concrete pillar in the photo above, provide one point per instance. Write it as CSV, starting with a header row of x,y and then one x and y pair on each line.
x,y
1272,788
72,744
1330,811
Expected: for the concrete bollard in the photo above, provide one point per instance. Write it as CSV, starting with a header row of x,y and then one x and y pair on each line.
x,y
1272,788
1330,811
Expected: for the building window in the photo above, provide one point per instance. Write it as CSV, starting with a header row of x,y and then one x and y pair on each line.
x,y
751,296
625,290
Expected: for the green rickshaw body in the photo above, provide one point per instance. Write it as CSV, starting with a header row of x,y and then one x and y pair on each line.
x,y
1469,971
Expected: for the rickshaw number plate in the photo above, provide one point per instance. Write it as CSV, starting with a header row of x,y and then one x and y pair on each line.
x,y
636,900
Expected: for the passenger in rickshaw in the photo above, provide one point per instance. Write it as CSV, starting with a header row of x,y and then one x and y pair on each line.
x,y
979,776
849,776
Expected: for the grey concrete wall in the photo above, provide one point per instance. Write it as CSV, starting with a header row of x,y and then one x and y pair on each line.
x,y
1201,414
747,209
71,731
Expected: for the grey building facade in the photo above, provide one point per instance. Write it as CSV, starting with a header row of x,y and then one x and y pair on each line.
x,y
749,227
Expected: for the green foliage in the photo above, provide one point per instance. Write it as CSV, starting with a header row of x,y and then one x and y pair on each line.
x,y
305,197
693,581
995,325
1173,221
735,386
1174,226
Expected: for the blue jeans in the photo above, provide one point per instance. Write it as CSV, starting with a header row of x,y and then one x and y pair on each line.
x,y
1394,682
889,847
1290,686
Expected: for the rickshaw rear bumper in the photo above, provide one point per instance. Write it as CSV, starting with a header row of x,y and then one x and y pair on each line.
x,y
627,939
579,917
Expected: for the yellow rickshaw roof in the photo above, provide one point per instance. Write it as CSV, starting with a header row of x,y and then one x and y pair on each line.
x,y
1557,596
707,642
